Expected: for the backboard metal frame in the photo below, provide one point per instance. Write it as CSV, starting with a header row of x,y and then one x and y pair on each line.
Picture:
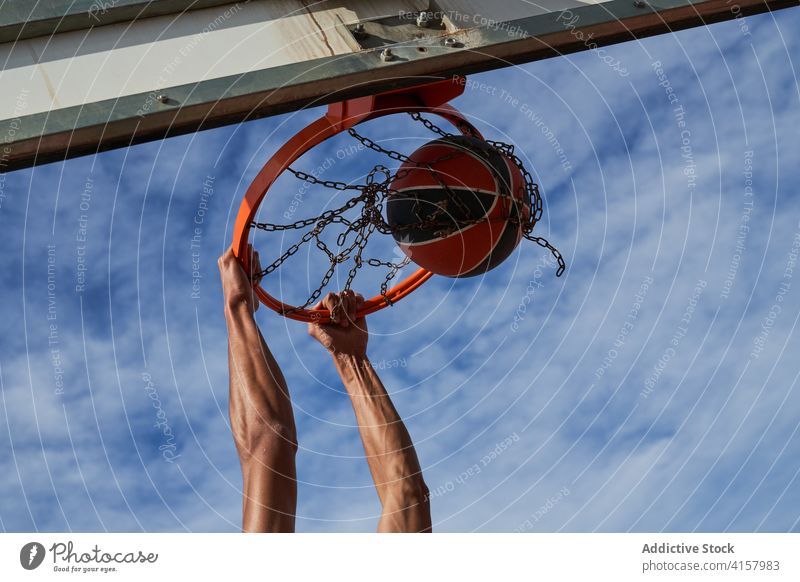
x,y
74,131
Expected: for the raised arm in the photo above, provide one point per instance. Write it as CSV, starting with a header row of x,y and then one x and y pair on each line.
x,y
390,453
261,415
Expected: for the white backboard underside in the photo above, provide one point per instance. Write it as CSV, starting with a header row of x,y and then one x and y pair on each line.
x,y
108,62
79,77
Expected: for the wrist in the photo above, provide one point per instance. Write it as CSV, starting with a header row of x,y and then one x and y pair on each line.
x,y
351,361
237,303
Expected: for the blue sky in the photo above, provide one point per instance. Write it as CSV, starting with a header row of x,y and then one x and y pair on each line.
x,y
651,388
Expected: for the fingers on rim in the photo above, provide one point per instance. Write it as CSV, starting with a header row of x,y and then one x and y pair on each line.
x,y
253,262
328,303
346,306
354,303
331,303
227,255
343,308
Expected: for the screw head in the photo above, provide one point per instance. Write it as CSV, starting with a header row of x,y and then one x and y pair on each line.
x,y
451,42
358,28
162,98
387,55
639,3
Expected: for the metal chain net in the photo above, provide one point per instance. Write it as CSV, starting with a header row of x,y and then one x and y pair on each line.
x,y
372,196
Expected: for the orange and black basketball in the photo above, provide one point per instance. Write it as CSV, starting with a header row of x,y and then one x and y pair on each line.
x,y
457,207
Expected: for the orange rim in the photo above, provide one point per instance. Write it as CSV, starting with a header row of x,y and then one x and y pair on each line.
x,y
430,98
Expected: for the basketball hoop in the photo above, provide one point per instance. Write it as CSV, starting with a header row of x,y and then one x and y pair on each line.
x,y
432,99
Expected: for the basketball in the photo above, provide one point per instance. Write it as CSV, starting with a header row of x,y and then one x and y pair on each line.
x,y
457,206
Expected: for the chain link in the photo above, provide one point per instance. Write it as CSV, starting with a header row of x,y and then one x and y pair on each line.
x,y
543,242
370,144
324,183
374,193
462,127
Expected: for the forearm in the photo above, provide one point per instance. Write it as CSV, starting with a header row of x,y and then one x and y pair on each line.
x,y
261,395
261,415
263,427
390,452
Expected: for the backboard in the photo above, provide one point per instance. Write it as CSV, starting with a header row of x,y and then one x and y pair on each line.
x,y
81,76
